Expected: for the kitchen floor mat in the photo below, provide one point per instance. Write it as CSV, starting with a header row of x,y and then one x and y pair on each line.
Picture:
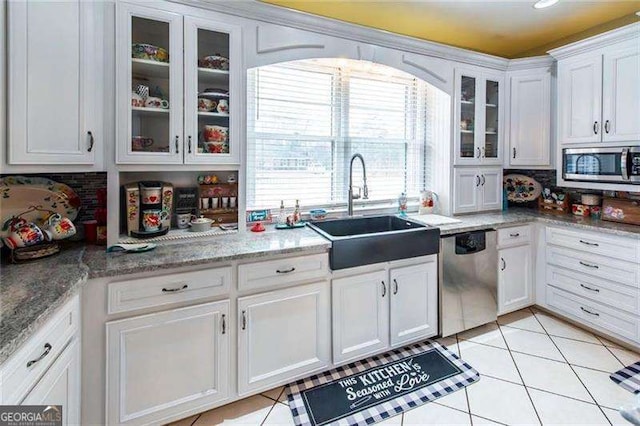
x,y
628,377
369,391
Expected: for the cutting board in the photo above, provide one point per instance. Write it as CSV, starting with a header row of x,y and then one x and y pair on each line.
x,y
433,219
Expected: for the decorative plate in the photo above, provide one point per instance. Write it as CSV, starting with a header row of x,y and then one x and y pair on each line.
x,y
521,188
34,198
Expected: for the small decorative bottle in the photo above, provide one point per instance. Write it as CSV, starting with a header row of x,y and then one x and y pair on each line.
x,y
402,204
296,213
282,215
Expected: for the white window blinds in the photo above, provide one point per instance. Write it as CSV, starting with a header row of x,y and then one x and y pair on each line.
x,y
307,118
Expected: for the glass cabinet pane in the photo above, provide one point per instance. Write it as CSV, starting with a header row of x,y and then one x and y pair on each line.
x,y
491,124
150,96
213,93
467,117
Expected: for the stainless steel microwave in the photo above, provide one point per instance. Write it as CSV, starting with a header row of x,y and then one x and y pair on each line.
x,y
612,165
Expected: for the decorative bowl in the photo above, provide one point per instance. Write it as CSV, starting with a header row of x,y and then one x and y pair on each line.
x,y
214,62
201,224
149,52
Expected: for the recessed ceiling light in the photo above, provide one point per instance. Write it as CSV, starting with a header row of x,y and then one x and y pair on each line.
x,y
541,4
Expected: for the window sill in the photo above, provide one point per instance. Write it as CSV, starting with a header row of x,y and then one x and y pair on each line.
x,y
368,209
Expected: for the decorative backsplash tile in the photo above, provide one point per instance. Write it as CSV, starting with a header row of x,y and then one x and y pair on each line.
x,y
84,184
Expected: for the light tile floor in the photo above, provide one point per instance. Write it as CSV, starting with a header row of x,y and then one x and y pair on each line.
x,y
535,369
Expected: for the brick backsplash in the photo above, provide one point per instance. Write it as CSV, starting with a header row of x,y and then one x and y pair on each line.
x,y
84,184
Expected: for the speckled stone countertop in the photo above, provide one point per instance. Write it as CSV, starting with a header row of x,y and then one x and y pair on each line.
x,y
31,292
514,216
214,249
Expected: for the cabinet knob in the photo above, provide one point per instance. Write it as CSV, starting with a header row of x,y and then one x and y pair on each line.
x,y
91,141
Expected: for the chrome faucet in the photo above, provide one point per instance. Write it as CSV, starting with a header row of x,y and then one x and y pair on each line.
x,y
365,190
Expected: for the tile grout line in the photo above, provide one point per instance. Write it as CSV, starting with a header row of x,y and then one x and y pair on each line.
x,y
573,369
196,419
269,412
535,409
466,394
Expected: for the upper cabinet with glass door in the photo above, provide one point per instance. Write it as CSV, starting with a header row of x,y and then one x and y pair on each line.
x,y
478,119
177,80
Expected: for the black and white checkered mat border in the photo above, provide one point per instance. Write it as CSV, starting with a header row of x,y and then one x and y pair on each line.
x,y
386,409
628,377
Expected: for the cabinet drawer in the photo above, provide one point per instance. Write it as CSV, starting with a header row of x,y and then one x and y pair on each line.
x,y
594,314
26,366
607,292
125,296
253,276
594,265
514,236
606,245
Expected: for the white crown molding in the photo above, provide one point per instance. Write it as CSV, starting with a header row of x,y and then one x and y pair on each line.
x,y
545,61
628,32
253,9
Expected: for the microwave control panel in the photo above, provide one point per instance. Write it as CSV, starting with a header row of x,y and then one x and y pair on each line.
x,y
635,164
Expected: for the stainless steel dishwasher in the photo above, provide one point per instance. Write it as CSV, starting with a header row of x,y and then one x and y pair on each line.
x,y
468,289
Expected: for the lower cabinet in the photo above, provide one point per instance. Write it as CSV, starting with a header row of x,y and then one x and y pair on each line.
x,y
162,364
378,310
515,278
282,335
60,385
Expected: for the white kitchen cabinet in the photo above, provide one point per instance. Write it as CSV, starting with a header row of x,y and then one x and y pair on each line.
x,y
529,124
598,95
282,335
414,302
166,363
515,278
477,189
60,385
360,315
478,122
54,116
177,131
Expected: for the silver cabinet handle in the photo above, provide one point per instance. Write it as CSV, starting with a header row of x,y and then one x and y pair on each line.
x,y
588,265
514,153
477,180
285,271
224,324
606,126
589,312
47,349
384,289
91,141
483,180
177,147
597,290
175,289
478,151
395,290
596,127
189,144
244,320
589,244
504,264
483,152
517,234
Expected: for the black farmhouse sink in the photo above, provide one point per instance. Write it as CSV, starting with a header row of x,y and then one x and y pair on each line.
x,y
357,241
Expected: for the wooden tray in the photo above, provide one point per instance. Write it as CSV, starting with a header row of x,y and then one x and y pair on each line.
x,y
554,208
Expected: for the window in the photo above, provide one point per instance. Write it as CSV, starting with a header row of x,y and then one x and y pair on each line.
x,y
307,118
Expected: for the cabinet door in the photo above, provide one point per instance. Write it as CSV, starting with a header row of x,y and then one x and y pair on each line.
x,y
212,55
466,188
360,316
149,85
414,302
60,385
580,101
530,115
621,95
491,129
167,363
491,189
283,335
468,108
52,88
515,279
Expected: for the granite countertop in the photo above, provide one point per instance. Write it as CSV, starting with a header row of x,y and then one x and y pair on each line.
x,y
31,292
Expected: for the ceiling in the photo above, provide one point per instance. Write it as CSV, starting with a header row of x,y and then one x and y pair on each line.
x,y
510,29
